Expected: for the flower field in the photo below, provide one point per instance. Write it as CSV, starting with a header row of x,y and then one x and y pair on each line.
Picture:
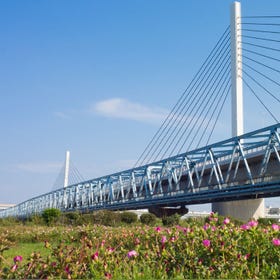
x,y
214,249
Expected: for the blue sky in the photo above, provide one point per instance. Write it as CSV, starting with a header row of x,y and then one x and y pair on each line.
x,y
96,78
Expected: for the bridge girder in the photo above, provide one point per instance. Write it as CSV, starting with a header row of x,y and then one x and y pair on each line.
x,y
222,171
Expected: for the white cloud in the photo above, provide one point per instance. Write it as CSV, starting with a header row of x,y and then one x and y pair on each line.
x,y
124,109
62,115
40,167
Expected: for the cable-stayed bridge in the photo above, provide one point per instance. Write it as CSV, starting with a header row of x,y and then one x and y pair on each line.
x,y
179,166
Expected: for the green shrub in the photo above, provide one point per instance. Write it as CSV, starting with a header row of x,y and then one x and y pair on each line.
x,y
106,218
148,219
71,218
190,221
171,220
128,217
268,221
50,215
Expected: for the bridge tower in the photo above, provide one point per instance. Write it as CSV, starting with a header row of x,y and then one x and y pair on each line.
x,y
66,172
241,209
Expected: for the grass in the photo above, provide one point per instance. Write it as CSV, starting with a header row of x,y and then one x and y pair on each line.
x,y
25,250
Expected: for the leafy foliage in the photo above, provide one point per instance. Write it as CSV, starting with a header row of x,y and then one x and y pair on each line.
x,y
171,220
218,249
148,219
129,217
50,215
106,218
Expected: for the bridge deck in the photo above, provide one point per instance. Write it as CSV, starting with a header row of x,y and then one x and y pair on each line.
x,y
238,168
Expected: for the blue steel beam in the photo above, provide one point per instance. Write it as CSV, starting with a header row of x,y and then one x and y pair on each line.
x,y
235,168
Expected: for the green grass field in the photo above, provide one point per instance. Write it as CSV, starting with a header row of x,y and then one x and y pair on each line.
x,y
25,250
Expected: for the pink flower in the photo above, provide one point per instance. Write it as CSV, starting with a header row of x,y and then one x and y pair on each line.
x,y
253,223
17,259
275,227
226,221
108,275
168,231
132,253
186,230
110,250
95,256
206,226
14,267
137,241
213,228
245,227
163,239
158,229
67,269
276,241
206,243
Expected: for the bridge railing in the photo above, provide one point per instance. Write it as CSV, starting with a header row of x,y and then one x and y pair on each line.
x,y
249,159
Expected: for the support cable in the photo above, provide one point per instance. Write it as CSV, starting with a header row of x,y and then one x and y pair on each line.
x,y
194,115
220,82
260,73
174,111
260,46
59,180
266,57
181,116
260,63
260,85
207,81
261,23
260,16
76,171
219,113
251,89
166,124
219,98
261,38
260,54
260,31
194,106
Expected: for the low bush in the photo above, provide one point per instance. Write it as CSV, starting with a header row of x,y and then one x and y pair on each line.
x,y
106,218
171,220
148,219
71,218
50,215
128,217
268,221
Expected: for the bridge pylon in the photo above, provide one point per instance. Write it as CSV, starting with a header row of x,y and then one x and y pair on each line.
x,y
66,171
252,208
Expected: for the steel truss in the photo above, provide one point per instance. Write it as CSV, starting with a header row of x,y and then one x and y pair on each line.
x,y
237,168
